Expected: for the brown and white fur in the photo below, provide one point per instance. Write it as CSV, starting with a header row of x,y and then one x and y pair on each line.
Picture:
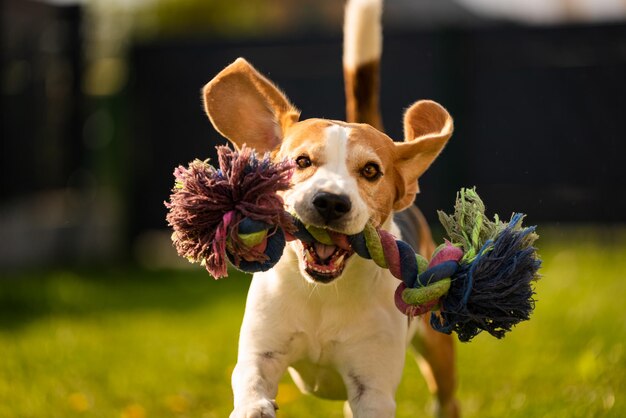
x,y
333,324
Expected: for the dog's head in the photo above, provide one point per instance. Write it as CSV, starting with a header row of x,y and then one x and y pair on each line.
x,y
346,174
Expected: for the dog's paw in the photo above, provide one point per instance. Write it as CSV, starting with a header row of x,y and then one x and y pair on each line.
x,y
264,408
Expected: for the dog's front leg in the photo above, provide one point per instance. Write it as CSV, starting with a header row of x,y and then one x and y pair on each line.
x,y
369,396
372,375
374,403
267,345
255,384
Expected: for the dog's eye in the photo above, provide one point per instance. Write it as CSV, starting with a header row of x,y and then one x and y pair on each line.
x,y
303,161
371,171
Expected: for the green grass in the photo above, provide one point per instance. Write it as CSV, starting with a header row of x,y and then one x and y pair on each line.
x,y
130,343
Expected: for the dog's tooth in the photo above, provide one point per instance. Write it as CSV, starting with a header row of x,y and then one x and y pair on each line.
x,y
339,260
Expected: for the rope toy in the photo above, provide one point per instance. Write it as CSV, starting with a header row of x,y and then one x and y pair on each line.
x,y
478,280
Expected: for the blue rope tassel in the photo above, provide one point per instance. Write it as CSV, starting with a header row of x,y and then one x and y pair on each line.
x,y
494,291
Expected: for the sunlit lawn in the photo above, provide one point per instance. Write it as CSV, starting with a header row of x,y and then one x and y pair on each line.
x,y
131,343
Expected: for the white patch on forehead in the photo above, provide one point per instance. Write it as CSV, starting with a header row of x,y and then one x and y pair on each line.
x,y
332,175
336,148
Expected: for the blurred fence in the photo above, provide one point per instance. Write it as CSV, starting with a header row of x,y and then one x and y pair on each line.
x,y
41,105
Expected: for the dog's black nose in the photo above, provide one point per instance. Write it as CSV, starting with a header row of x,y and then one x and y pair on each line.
x,y
331,206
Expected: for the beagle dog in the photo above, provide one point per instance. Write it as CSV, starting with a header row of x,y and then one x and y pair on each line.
x,y
323,313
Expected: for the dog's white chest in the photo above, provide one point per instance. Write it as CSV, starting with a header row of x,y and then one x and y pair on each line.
x,y
318,328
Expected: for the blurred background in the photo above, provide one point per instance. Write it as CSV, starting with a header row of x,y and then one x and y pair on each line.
x,y
100,100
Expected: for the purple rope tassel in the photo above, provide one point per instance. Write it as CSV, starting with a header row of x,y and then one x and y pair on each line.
x,y
206,206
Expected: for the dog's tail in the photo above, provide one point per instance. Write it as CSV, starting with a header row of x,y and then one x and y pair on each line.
x,y
362,49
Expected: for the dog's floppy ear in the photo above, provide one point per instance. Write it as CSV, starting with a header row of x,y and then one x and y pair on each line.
x,y
427,128
247,108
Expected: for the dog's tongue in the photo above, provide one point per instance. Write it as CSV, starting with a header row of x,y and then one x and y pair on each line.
x,y
324,251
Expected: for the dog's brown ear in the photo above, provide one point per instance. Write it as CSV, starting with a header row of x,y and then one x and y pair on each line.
x,y
247,108
427,128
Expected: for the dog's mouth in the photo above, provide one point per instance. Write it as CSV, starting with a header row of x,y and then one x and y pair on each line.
x,y
324,263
